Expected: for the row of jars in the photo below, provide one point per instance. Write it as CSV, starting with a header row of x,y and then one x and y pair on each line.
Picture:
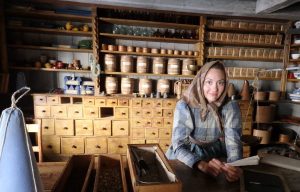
x,y
145,86
159,65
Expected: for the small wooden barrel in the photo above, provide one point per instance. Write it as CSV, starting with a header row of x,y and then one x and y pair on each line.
x,y
104,46
110,63
111,85
274,95
122,48
139,49
265,114
183,52
142,64
112,48
173,66
190,53
126,64
185,63
145,87
163,86
158,65
170,52
130,49
154,50
260,96
176,52
163,51
146,50
265,135
126,85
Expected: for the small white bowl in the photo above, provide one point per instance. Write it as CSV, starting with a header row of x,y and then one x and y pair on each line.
x,y
295,55
297,24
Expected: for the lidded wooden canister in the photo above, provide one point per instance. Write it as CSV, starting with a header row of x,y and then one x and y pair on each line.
x,y
145,87
127,85
158,65
185,66
163,86
110,64
111,85
265,114
130,49
142,64
126,64
173,66
274,95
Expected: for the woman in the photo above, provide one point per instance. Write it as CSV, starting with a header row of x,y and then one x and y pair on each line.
x,y
205,126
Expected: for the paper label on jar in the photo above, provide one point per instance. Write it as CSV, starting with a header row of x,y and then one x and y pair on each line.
x,y
141,64
159,65
108,62
164,86
110,84
174,66
145,86
126,63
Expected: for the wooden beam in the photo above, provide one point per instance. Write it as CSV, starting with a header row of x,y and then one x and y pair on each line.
x,y
269,6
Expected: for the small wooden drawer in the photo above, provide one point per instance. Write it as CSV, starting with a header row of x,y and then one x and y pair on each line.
x,y
95,145
136,112
123,102
157,103
138,133
112,102
168,123
39,100
121,112
151,133
42,111
157,122
91,112
137,141
165,133
100,102
136,102
151,141
64,127
137,122
117,145
84,127
157,113
147,123
164,144
52,100
147,112
102,127
88,101
147,103
50,144
169,103
75,111
59,111
168,112
120,128
48,127
72,145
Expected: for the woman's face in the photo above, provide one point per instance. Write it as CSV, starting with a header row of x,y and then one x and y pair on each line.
x,y
214,84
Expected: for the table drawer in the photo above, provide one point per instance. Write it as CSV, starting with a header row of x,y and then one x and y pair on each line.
x,y
50,144
151,133
169,103
39,100
168,123
137,141
147,103
157,103
117,145
136,112
151,141
147,112
112,102
75,111
168,112
59,111
52,100
72,145
137,122
100,102
95,145
88,101
91,112
164,144
64,127
157,113
165,133
123,102
84,127
136,102
102,127
121,112
157,122
42,111
138,133
120,128
48,127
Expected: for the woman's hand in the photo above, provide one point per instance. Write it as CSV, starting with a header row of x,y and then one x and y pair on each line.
x,y
213,167
231,173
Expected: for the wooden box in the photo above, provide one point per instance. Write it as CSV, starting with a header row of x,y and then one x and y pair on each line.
x,y
150,170
76,175
110,174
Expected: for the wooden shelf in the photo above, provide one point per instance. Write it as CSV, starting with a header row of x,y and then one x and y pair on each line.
x,y
147,74
39,14
294,60
245,44
148,23
144,38
244,58
49,69
293,80
148,54
295,45
50,31
243,30
50,48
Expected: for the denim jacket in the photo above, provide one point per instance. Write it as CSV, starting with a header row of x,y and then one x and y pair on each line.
x,y
206,131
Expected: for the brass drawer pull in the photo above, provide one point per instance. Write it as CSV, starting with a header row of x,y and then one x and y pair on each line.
x,y
158,104
104,128
148,112
167,145
90,101
137,103
148,122
46,127
49,146
169,113
41,99
76,111
123,113
122,129
138,122
158,113
153,133
53,100
158,122
98,146
137,112
66,128
92,112
74,146
167,133
169,104
120,146
43,111
113,102
60,112
102,102
85,128
168,123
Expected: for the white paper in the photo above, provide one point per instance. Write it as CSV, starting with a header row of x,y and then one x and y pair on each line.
x,y
254,160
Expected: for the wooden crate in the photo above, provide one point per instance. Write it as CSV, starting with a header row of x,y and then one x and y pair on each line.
x,y
76,175
110,174
157,174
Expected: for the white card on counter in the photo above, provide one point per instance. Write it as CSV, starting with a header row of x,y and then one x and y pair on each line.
x,y
254,160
